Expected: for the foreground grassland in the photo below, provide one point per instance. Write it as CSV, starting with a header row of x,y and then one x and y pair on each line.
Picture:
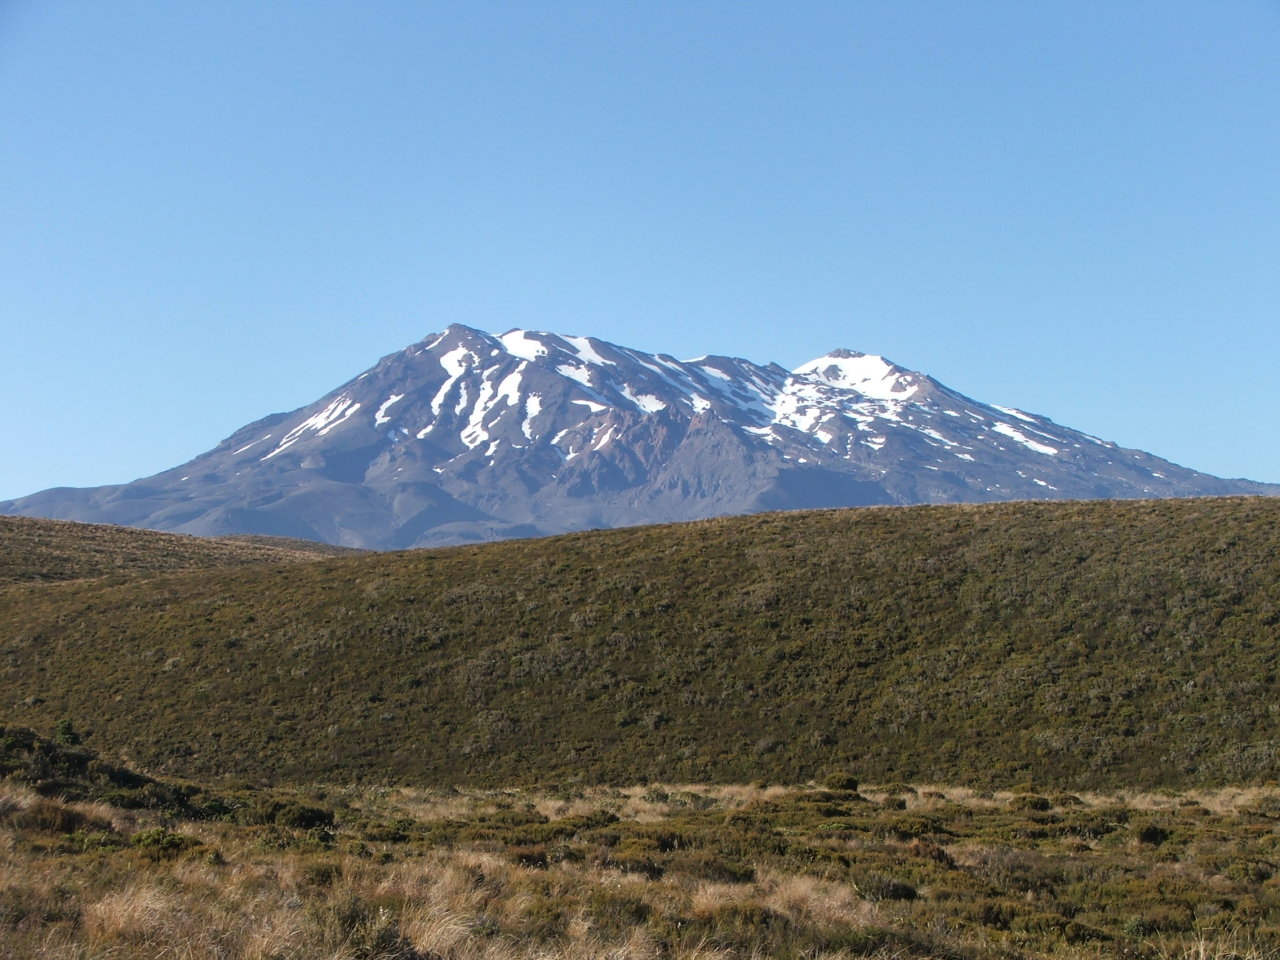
x,y
1071,645
99,862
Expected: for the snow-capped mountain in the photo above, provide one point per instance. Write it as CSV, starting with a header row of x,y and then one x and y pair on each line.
x,y
468,436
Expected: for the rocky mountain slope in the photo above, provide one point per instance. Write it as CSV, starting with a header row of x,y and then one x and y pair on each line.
x,y
467,436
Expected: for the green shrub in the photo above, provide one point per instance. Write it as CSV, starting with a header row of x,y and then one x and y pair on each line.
x,y
66,733
1030,801
1250,871
632,858
1039,925
841,781
1151,833
286,813
876,887
533,857
706,865
159,840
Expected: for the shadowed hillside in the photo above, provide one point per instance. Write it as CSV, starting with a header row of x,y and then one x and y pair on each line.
x,y
1083,644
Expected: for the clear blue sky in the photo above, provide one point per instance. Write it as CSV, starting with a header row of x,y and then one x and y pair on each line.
x,y
211,211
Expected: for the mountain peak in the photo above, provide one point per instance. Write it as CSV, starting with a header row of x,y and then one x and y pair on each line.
x,y
870,375
453,335
471,436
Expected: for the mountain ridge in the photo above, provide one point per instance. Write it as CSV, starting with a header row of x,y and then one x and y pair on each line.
x,y
467,436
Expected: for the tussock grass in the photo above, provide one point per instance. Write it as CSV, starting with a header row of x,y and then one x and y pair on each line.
x,y
1231,943
671,872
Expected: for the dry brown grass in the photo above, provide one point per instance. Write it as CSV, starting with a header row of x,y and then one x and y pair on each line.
x,y
239,894
1229,944
1222,800
814,899
646,803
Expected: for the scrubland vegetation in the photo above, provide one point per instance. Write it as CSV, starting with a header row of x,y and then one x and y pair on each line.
x,y
1087,645
135,868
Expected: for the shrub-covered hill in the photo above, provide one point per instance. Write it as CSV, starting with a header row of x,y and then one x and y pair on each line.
x,y
1084,644
34,549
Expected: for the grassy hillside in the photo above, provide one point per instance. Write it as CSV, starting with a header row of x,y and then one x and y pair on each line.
x,y
50,550
1073,644
99,861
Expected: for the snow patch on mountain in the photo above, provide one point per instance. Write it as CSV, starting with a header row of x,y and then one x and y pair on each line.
x,y
532,407
576,373
251,443
1014,433
381,417
869,375
520,343
321,423
585,351
643,401
1014,413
